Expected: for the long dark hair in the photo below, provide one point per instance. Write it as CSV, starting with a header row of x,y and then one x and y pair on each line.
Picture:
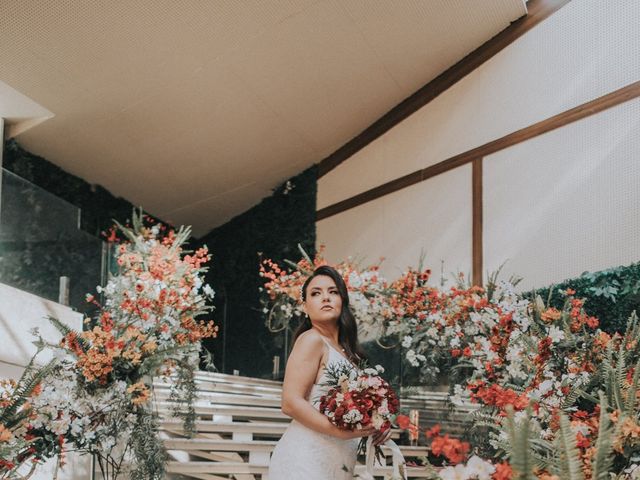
x,y
347,327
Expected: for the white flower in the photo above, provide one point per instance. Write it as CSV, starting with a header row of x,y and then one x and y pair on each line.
x,y
406,341
352,416
476,467
459,472
380,368
545,387
208,291
555,334
415,358
377,420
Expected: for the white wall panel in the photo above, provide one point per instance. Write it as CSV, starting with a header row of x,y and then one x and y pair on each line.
x,y
19,313
433,216
585,50
567,201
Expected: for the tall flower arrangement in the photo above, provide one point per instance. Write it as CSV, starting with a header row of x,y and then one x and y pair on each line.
x,y
98,397
282,292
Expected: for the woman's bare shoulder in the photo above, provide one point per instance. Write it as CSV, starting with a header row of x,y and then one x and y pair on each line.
x,y
309,341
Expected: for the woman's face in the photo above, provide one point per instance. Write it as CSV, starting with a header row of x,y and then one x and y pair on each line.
x,y
323,303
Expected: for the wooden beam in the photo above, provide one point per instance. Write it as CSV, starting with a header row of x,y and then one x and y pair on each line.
x,y
580,112
477,235
538,10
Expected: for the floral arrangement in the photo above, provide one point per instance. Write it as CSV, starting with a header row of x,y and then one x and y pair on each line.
x,y
282,292
359,398
462,326
21,449
97,397
558,396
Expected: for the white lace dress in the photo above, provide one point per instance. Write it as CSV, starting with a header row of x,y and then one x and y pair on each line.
x,y
304,454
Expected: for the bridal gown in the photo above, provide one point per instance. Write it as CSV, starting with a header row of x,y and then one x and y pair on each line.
x,y
304,454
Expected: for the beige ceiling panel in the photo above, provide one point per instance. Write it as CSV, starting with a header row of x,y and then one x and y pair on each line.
x,y
233,141
178,105
317,73
123,51
416,40
218,208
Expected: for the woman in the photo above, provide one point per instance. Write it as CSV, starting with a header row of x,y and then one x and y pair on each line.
x,y
312,448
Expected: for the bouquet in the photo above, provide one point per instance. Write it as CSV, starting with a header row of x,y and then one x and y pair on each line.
x,y
359,398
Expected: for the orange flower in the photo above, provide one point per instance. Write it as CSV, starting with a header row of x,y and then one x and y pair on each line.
x,y
550,315
452,449
547,476
139,393
503,472
5,434
433,432
403,421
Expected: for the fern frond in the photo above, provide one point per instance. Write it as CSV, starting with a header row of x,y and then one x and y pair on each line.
x,y
603,459
519,450
568,466
572,397
631,400
30,379
65,330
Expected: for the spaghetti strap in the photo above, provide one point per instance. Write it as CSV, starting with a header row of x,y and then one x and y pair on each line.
x,y
331,347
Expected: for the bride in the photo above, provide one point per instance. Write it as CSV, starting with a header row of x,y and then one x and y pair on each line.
x,y
312,448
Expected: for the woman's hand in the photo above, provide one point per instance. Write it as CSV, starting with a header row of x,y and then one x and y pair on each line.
x,y
349,434
381,436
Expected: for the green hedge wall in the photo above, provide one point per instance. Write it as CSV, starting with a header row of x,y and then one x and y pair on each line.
x,y
99,207
611,294
273,228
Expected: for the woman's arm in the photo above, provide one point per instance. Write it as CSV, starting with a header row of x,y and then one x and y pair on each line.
x,y
300,374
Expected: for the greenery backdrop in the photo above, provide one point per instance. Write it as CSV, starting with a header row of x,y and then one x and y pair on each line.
x,y
99,206
273,228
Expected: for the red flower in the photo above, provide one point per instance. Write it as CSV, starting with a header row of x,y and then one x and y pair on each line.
x,y
403,421
503,472
433,432
452,449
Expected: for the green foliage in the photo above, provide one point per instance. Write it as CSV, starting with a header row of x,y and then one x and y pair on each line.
x,y
567,465
611,295
30,379
183,395
273,228
603,459
519,448
98,206
147,447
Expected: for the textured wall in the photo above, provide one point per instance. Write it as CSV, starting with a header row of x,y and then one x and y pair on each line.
x,y
567,201
563,62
